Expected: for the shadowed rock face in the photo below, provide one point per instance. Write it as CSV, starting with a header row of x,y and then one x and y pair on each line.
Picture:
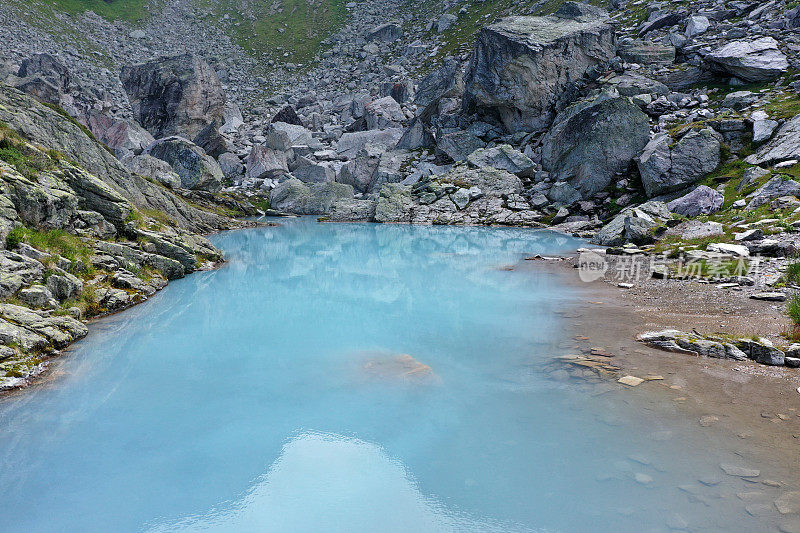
x,y
593,140
521,65
179,95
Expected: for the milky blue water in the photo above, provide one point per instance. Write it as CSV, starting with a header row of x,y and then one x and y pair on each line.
x,y
274,395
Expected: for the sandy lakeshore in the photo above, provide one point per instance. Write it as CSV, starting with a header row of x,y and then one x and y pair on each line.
x,y
753,410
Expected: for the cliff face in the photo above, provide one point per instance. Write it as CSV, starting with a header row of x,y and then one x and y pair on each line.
x,y
80,235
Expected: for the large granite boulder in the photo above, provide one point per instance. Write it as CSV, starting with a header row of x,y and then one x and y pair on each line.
x,y
665,168
294,196
264,162
445,82
153,168
753,60
122,136
178,95
702,201
502,157
350,143
196,169
633,224
593,140
522,65
776,187
784,146
383,113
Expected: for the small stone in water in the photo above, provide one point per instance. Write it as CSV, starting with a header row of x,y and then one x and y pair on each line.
x,y
739,471
789,503
706,421
644,479
631,381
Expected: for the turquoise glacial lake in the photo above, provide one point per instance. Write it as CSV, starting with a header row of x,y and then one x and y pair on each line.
x,y
348,378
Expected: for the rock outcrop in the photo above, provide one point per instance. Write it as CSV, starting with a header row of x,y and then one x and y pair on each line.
x,y
665,168
593,141
522,65
179,95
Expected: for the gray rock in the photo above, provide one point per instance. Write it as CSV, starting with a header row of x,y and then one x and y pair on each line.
x,y
196,169
665,169
594,140
784,146
763,130
694,229
122,136
153,168
696,25
231,165
633,224
444,82
394,204
385,33
37,296
263,162
64,286
753,60
383,113
647,53
458,145
522,65
179,95
353,211
314,173
702,201
350,143
294,196
563,193
774,188
502,157
445,22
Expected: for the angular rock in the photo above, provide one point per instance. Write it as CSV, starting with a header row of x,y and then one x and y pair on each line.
x,y
444,82
350,143
774,188
385,33
196,169
594,140
647,53
458,145
263,162
702,201
664,169
784,146
178,95
383,113
294,196
522,65
502,157
153,168
753,60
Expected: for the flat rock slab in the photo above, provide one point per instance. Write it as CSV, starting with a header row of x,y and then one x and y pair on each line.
x,y
739,471
631,381
769,296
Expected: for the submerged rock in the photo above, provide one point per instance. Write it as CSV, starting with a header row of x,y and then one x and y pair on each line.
x,y
397,367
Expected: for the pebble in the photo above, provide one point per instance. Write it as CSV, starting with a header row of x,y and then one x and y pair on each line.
x,y
631,381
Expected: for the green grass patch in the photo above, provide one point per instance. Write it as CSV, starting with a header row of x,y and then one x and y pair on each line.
x,y
127,10
793,309
53,242
283,30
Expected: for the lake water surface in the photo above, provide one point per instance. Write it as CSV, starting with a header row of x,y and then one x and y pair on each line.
x,y
347,378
